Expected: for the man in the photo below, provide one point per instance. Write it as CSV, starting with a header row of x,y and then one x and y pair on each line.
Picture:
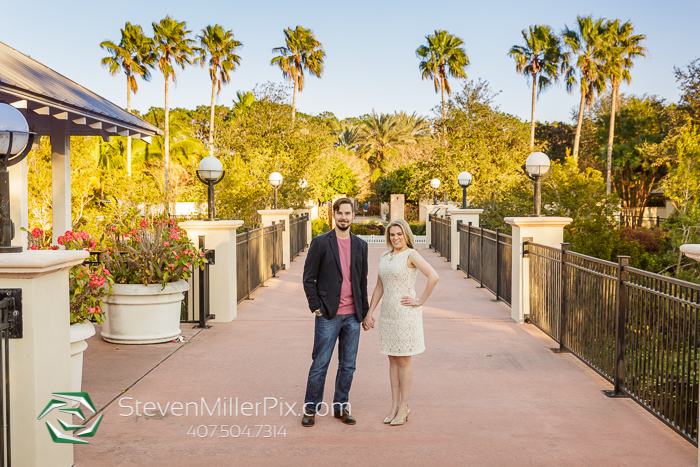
x,y
335,283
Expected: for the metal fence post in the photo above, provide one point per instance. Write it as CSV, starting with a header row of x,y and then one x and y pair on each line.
x,y
247,270
481,258
562,297
274,247
498,266
203,289
469,246
620,325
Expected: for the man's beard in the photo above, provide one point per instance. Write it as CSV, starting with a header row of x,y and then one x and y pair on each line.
x,y
341,227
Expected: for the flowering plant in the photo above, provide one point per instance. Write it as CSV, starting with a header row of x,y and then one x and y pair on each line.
x,y
156,252
88,282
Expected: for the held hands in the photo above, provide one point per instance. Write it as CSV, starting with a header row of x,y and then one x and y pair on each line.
x,y
408,301
369,322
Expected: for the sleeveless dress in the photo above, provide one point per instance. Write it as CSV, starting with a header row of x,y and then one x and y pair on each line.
x,y
400,327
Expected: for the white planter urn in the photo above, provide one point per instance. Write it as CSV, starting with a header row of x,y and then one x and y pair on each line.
x,y
143,314
78,333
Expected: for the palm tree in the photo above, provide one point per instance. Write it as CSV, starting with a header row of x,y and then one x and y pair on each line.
x,y
382,133
134,55
540,59
221,47
586,42
443,56
622,48
244,102
349,136
302,51
173,47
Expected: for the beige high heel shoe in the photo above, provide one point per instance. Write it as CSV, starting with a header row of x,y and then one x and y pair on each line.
x,y
390,418
402,420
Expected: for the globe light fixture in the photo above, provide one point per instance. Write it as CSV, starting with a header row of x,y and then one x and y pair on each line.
x,y
275,180
435,184
210,172
15,143
303,183
537,167
464,179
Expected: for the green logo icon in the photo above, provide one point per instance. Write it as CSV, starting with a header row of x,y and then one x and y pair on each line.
x,y
81,398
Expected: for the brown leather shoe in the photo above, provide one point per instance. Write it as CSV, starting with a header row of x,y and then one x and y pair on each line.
x,y
308,420
345,416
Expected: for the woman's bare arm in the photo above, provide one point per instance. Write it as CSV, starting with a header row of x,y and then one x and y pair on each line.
x,y
417,261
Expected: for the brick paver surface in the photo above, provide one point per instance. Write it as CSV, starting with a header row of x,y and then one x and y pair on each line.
x,y
487,391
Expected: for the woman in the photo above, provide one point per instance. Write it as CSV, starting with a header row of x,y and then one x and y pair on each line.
x,y
401,315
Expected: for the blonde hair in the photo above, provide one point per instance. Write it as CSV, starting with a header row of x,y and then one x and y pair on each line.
x,y
405,228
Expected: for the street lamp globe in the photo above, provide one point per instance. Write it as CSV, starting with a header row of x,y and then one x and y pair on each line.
x,y
12,122
275,179
464,179
435,184
303,183
210,168
537,164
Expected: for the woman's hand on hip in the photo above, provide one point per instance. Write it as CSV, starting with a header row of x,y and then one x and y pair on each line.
x,y
409,301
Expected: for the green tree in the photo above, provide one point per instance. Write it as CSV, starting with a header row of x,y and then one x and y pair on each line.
x,y
540,59
173,48
244,102
133,55
443,55
622,46
587,44
220,46
301,52
689,79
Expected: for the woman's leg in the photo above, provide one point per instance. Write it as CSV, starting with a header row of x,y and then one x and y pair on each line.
x,y
395,388
405,366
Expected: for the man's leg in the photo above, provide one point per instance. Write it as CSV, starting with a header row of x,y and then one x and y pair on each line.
x,y
325,335
348,343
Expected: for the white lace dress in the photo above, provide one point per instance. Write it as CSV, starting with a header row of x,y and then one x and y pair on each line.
x,y
400,327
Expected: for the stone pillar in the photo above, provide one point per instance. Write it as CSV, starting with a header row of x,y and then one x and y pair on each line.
x,y
40,361
547,231
277,215
19,202
219,236
466,216
430,208
397,207
60,178
693,251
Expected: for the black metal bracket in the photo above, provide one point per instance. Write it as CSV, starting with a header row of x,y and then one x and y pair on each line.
x,y
611,393
526,241
210,255
11,306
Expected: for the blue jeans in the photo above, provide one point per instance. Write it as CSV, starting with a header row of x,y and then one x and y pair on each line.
x,y
345,329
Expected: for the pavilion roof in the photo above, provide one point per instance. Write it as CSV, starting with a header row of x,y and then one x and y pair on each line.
x,y
46,95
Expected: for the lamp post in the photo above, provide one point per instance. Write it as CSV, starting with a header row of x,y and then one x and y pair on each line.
x,y
435,184
210,172
15,143
537,168
464,179
275,180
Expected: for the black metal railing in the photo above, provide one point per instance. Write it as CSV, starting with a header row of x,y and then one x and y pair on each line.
x,y
258,257
440,236
637,329
631,220
486,256
8,307
298,233
198,309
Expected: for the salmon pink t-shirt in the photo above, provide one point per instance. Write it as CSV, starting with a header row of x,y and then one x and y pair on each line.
x,y
347,302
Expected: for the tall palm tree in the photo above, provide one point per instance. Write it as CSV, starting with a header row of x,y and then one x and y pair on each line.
x,y
539,59
220,46
586,43
173,48
382,133
134,55
349,136
301,52
443,56
244,102
623,46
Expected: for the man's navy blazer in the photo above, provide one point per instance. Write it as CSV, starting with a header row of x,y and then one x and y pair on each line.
x,y
323,278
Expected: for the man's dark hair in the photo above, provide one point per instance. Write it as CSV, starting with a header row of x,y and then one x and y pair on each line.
x,y
341,201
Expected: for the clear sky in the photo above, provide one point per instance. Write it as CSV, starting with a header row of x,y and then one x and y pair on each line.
x,y
370,47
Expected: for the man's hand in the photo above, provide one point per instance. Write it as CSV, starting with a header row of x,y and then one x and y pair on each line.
x,y
368,323
318,312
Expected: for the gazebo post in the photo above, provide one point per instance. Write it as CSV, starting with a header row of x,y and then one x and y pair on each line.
x,y
60,177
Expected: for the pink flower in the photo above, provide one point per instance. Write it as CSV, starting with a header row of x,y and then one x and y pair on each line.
x,y
171,266
91,310
37,232
166,243
201,254
33,247
134,231
138,239
172,221
143,224
177,256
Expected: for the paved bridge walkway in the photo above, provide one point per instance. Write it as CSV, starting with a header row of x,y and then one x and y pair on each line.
x,y
486,392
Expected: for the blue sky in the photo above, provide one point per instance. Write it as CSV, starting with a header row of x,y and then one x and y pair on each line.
x,y
370,46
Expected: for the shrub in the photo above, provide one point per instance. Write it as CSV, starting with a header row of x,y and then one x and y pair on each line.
x,y
368,227
418,228
373,210
318,227
650,239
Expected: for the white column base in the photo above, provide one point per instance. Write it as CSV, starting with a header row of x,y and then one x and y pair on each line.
x,y
277,215
467,216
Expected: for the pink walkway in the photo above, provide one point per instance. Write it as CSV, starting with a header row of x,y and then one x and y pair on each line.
x,y
486,392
